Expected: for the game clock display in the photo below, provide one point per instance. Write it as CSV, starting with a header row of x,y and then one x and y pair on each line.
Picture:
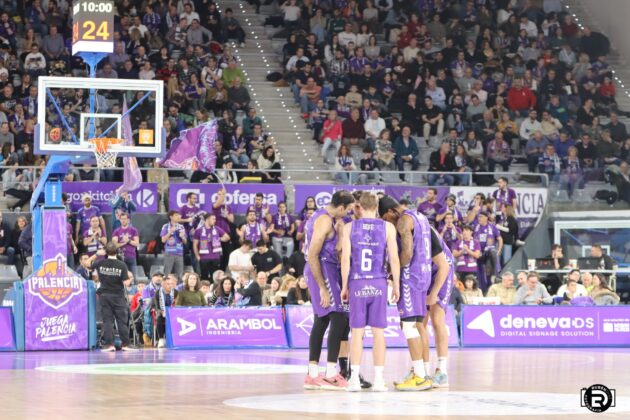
x,y
92,26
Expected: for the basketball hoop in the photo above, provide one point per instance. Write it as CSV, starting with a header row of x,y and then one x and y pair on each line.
x,y
105,156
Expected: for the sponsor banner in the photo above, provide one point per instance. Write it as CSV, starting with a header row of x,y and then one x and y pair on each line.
x,y
546,326
232,327
145,198
530,204
239,196
7,337
56,308
323,193
300,323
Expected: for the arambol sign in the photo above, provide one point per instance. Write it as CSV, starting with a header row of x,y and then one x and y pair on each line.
x,y
545,326
212,328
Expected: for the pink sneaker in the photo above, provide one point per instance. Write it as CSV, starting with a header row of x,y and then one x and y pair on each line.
x,y
313,384
337,383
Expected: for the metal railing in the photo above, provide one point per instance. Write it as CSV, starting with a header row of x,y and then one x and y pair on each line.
x,y
288,176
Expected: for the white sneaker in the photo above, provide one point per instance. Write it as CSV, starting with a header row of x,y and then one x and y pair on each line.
x,y
379,387
161,343
354,386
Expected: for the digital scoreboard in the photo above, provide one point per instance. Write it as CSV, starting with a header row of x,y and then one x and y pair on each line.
x,y
93,26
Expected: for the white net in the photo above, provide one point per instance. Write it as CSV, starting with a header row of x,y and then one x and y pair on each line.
x,y
103,152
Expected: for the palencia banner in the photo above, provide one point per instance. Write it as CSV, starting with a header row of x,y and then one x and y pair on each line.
x,y
300,323
56,308
199,327
238,196
546,326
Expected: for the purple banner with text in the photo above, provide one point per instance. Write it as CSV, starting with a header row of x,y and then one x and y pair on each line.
x,y
7,337
56,308
545,326
145,198
530,201
300,322
238,196
214,328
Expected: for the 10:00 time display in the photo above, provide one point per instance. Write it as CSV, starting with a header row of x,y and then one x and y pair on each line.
x,y
97,7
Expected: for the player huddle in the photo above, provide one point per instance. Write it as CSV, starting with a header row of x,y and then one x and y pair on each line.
x,y
352,247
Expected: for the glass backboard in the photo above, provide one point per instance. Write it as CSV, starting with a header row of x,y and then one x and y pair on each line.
x,y
65,124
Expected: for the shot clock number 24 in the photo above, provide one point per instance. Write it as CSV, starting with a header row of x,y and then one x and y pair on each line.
x,y
92,21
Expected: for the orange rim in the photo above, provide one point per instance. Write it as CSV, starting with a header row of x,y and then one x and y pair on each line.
x,y
101,144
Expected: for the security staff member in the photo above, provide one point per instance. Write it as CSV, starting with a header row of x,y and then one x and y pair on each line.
x,y
112,274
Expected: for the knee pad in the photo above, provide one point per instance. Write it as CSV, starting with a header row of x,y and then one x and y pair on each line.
x,y
409,330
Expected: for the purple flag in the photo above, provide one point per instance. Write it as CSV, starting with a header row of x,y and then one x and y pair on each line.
x,y
194,149
132,178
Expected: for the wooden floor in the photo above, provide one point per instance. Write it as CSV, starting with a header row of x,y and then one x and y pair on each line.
x,y
267,384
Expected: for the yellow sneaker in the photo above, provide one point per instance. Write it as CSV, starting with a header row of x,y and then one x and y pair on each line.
x,y
147,340
415,383
410,375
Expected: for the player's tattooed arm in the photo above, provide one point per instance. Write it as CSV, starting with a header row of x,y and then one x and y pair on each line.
x,y
405,230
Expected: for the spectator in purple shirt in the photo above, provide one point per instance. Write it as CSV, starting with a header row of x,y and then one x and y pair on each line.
x,y
188,211
449,232
85,214
261,209
449,207
207,246
466,251
504,195
430,205
174,238
283,227
94,239
491,245
127,239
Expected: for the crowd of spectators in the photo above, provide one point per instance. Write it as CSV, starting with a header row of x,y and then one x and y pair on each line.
x,y
456,86
186,44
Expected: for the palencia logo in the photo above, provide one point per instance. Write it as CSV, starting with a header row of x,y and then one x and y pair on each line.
x,y
485,323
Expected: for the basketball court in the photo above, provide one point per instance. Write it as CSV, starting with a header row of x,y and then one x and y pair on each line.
x,y
154,384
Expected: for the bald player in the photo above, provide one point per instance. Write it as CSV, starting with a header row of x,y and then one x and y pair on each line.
x,y
419,249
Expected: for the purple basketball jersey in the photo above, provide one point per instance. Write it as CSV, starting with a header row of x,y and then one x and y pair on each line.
x,y
444,295
329,248
417,274
368,259
415,277
329,264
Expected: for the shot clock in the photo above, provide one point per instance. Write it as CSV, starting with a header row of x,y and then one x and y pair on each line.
x,y
93,26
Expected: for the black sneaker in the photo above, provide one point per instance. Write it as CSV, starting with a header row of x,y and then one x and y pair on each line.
x,y
364,384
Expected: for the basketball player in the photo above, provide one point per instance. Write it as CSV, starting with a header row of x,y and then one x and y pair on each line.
x,y
366,242
344,366
420,247
324,283
437,313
